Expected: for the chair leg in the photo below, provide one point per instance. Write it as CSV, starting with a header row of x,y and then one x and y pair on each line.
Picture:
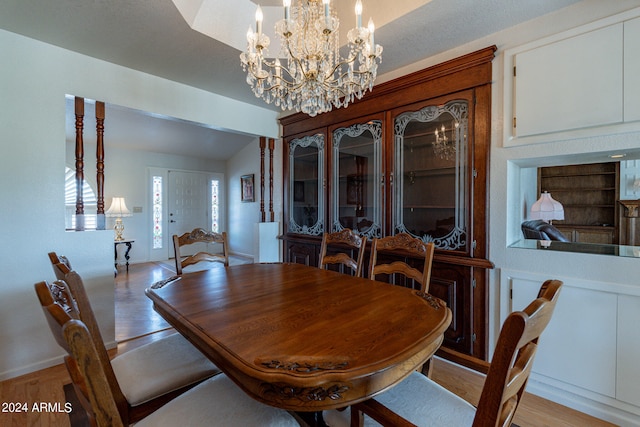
x,y
357,418
427,368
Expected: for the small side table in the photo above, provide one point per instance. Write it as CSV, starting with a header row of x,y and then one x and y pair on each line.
x,y
128,243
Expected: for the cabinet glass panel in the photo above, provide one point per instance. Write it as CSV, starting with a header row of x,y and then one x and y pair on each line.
x,y
430,188
356,177
306,206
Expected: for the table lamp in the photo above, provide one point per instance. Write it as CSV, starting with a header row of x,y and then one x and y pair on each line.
x,y
118,210
547,209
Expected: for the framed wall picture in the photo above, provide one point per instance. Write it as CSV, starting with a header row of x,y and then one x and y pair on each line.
x,y
247,188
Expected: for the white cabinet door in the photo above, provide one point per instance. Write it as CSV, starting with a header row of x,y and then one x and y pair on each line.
x,y
628,389
579,345
632,70
570,84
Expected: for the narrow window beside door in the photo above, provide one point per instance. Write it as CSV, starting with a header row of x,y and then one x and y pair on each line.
x,y
157,212
215,222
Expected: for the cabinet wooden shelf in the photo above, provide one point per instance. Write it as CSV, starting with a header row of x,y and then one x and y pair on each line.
x,y
430,172
588,193
427,207
599,226
571,190
586,206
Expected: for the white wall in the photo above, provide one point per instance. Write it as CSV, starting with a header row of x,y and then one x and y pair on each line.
x,y
244,215
34,79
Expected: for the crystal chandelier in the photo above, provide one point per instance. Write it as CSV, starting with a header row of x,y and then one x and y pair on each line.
x,y
441,146
312,77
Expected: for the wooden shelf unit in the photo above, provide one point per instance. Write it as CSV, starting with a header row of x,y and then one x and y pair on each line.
x,y
588,193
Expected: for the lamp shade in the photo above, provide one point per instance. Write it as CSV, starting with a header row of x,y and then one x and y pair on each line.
x,y
547,209
118,208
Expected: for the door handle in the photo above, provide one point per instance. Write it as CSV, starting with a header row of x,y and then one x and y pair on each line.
x,y
172,220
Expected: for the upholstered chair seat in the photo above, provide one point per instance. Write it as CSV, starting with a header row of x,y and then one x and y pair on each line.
x,y
440,408
217,402
160,367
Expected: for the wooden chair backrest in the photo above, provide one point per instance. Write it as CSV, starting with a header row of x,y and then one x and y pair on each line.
x,y
195,236
75,338
59,259
55,319
84,312
349,239
513,359
105,409
410,246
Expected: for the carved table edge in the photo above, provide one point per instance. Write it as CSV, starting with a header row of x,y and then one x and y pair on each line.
x,y
434,302
162,283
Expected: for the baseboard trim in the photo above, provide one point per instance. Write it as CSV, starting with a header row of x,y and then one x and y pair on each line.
x,y
242,255
38,366
607,412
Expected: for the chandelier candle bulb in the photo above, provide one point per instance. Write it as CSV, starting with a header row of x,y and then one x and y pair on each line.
x,y
250,41
372,28
259,18
358,14
287,9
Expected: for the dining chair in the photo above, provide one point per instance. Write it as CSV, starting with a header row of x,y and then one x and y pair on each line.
x,y
403,244
142,379
200,235
419,401
349,240
216,401
59,259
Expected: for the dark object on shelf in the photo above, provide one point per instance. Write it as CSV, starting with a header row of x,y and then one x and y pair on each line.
x,y
541,230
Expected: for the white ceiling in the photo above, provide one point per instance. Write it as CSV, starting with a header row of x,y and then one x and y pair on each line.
x,y
153,36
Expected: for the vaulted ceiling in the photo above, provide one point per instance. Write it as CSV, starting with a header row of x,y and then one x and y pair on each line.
x,y
198,42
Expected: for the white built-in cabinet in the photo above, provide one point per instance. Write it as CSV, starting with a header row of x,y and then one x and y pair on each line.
x,y
591,347
585,80
560,86
632,70
628,350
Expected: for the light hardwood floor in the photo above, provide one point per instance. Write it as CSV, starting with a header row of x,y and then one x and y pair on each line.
x,y
46,385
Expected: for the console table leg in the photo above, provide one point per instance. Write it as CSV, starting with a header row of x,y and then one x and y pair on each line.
x,y
126,254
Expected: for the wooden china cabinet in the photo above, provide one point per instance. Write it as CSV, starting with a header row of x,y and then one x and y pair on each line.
x,y
412,156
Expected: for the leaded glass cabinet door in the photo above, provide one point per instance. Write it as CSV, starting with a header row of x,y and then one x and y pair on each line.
x,y
306,185
356,178
430,192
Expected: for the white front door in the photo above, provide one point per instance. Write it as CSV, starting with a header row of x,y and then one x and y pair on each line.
x,y
189,205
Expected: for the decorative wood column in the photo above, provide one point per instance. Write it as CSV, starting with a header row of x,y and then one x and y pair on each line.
x,y
263,143
631,213
271,147
79,111
100,221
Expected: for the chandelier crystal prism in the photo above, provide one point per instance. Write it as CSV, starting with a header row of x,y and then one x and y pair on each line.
x,y
312,77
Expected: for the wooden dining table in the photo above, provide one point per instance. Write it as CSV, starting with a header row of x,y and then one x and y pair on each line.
x,y
302,338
